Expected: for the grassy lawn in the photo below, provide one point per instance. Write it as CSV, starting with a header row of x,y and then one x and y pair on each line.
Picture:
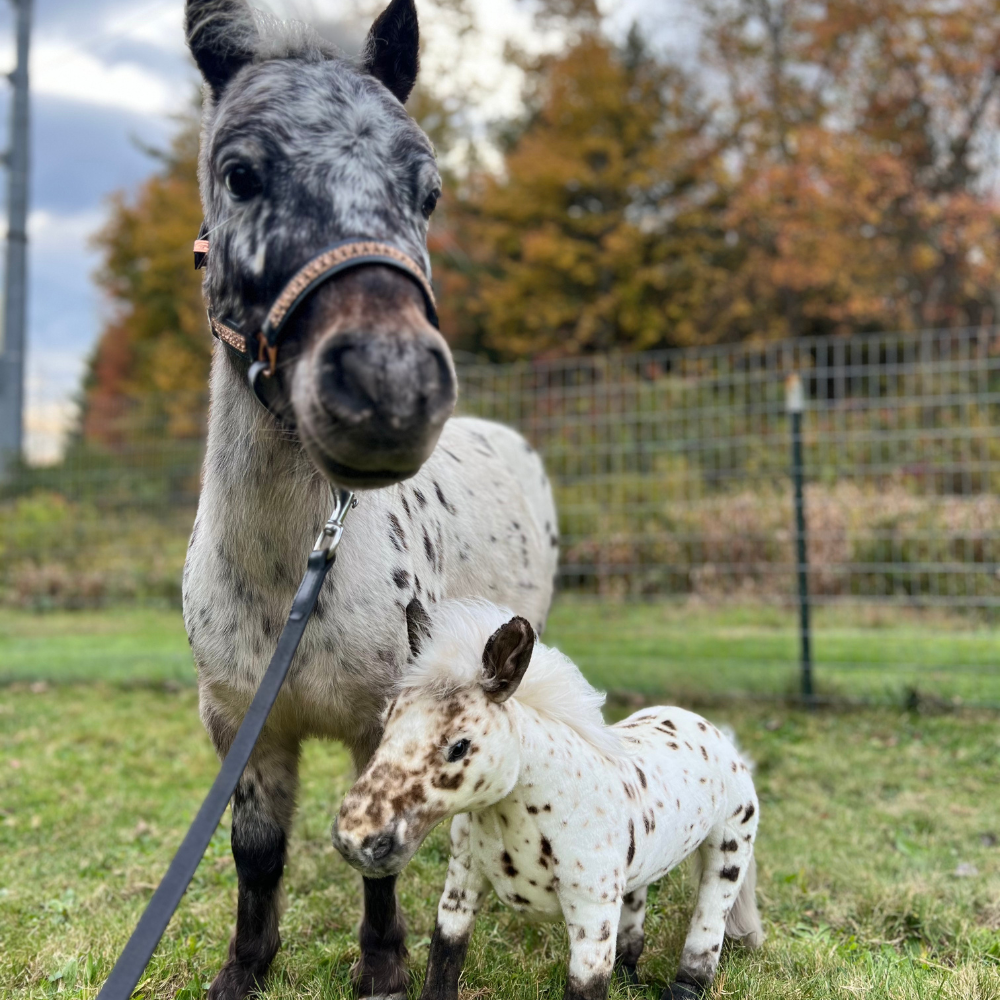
x,y
879,864
648,648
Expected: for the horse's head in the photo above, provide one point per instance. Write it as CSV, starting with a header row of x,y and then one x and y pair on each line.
x,y
445,749
302,148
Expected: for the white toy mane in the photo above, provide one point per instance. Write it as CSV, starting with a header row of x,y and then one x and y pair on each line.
x,y
552,685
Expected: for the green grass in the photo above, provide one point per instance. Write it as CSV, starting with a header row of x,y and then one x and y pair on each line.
x,y
124,646
865,820
879,864
648,648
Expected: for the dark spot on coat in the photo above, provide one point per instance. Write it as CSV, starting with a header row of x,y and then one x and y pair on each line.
x,y
749,813
546,847
605,931
730,873
519,900
449,781
429,550
441,497
406,506
642,777
728,846
703,727
396,534
507,863
631,843
418,625
533,810
401,578
421,499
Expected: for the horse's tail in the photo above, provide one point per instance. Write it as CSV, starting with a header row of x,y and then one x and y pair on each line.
x,y
743,923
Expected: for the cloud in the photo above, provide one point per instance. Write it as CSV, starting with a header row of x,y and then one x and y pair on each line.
x,y
61,69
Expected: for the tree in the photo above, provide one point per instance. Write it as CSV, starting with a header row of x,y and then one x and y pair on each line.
x,y
156,345
863,131
605,228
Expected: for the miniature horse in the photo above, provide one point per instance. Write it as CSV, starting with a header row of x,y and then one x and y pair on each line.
x,y
301,149
563,816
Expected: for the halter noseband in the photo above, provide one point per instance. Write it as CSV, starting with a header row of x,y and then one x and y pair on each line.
x,y
339,257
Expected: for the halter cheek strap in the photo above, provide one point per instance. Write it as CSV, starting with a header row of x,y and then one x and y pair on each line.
x,y
342,256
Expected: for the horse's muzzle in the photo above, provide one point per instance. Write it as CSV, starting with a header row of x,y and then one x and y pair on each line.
x,y
370,405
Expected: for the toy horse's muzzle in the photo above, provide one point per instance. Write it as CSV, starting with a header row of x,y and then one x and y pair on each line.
x,y
376,854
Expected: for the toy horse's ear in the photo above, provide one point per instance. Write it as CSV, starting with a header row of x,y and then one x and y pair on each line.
x,y
222,36
506,657
392,51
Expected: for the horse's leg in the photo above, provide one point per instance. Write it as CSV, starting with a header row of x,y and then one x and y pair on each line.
x,y
381,971
725,859
631,935
593,928
263,807
456,916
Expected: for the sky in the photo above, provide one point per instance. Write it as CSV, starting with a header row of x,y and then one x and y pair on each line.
x,y
107,78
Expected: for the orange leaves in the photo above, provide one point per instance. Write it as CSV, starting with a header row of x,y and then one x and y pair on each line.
x,y
157,343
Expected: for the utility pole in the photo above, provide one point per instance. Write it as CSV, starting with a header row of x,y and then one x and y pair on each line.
x,y
12,337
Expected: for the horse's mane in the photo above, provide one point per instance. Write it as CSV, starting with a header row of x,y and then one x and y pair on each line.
x,y
552,685
266,36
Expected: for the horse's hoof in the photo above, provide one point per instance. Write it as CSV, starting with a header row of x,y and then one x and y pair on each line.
x,y
682,991
234,982
381,977
628,974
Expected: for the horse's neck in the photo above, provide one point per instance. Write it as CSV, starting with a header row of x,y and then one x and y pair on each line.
x,y
260,491
536,734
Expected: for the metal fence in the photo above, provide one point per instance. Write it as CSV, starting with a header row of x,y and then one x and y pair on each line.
x,y
673,468
672,475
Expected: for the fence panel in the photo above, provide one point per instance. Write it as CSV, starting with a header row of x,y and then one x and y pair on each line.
x,y
671,471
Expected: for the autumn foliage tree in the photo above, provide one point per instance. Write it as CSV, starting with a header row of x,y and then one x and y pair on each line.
x,y
155,347
826,168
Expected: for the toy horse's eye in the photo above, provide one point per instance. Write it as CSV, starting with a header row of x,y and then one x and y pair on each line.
x,y
457,751
242,183
430,203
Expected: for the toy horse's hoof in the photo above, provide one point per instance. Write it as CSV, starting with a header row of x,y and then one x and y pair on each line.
x,y
681,991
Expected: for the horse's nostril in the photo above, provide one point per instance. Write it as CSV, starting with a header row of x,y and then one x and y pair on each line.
x,y
381,847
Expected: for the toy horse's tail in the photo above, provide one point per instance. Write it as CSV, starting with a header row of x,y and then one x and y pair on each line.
x,y
743,923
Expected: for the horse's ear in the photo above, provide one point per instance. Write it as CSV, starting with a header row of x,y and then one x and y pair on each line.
x,y
222,36
506,657
392,51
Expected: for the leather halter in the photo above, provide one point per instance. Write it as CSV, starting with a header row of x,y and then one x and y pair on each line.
x,y
342,256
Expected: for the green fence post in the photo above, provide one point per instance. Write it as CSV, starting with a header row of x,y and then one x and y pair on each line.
x,y
794,405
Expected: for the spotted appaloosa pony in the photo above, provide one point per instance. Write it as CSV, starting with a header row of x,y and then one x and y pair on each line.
x,y
564,816
301,148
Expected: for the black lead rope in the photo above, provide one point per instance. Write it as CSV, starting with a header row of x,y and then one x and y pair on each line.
x,y
132,963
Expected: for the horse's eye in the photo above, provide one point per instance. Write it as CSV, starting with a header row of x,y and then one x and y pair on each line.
x,y
243,183
430,203
457,751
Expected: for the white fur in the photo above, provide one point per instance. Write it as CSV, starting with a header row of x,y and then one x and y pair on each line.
x,y
553,685
560,827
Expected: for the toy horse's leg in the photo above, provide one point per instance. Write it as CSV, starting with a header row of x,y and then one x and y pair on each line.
x,y
631,936
263,807
725,858
593,928
460,901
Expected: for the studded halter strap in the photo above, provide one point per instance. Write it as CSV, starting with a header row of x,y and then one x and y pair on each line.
x,y
342,256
